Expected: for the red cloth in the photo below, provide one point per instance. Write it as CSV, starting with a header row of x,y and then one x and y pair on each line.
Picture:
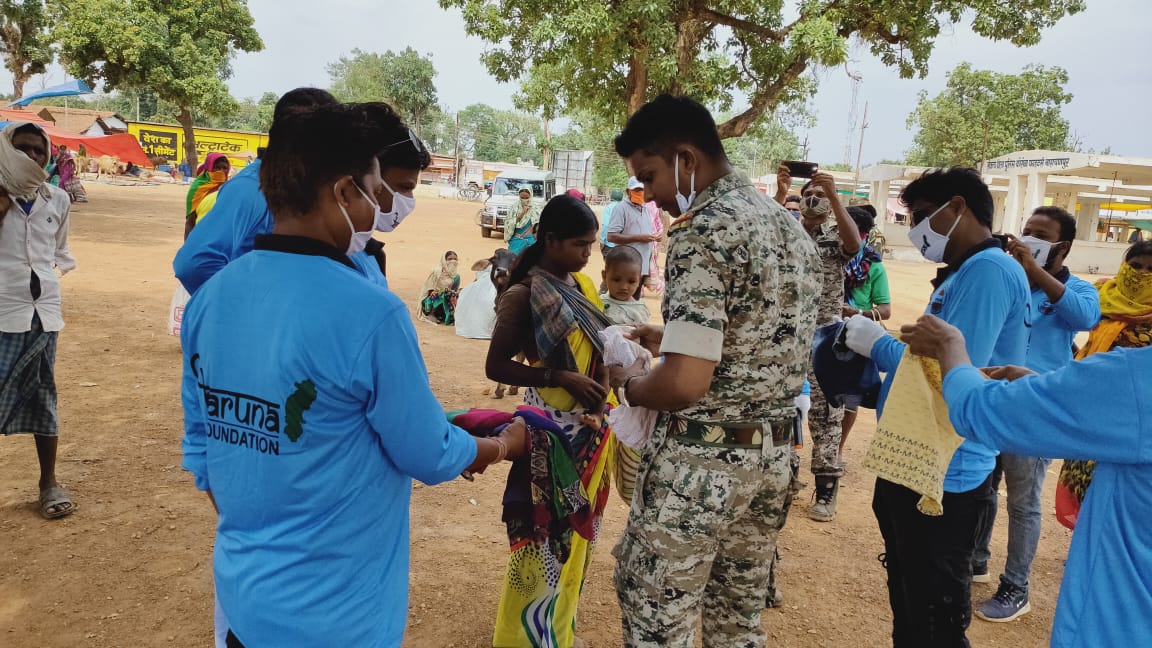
x,y
482,422
122,145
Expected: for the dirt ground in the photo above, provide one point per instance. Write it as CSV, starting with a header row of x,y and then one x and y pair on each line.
x,y
133,566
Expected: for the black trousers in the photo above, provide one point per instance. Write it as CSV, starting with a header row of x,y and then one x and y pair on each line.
x,y
929,562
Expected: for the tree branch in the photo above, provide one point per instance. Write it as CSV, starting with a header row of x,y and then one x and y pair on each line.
x,y
743,25
765,97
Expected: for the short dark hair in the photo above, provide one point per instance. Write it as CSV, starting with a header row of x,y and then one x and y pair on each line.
x,y
864,220
621,255
667,121
301,99
938,186
402,149
1141,248
1067,221
308,149
793,198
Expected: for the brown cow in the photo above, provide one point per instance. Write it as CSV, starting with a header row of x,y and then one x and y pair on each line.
x,y
108,165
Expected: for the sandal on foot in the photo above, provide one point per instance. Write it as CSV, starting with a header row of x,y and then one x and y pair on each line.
x,y
56,502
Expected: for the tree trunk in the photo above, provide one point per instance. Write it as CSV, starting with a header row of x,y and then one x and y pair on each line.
x,y
637,82
18,81
185,119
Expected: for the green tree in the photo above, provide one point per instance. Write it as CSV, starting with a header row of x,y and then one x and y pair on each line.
x,y
24,40
487,133
179,49
608,58
981,115
403,79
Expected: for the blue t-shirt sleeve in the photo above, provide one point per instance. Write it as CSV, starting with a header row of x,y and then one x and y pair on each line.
x,y
194,443
402,409
1079,306
979,304
886,353
1058,414
240,214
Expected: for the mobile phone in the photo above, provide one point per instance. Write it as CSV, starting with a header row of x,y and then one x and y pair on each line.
x,y
801,169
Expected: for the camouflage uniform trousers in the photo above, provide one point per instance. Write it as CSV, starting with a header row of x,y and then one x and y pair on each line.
x,y
701,536
825,427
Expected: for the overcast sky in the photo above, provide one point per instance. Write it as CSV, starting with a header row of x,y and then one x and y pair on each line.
x,y
1107,51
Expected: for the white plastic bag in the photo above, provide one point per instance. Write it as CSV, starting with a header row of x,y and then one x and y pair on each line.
x,y
476,308
176,309
632,425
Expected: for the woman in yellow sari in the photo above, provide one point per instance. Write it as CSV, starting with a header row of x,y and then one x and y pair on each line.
x,y
557,494
1126,323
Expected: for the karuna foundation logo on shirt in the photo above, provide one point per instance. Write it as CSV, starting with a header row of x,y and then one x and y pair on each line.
x,y
297,404
248,421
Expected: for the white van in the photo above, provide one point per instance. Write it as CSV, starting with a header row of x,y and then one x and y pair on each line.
x,y
506,193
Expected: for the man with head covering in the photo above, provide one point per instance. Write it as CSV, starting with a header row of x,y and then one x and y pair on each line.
x,y
33,245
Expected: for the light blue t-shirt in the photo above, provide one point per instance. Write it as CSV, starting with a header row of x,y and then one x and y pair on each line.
x,y
1097,408
605,218
230,230
1054,326
307,413
987,298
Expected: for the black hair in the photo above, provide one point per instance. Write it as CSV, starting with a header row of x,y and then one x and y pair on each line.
x,y
260,151
1067,221
402,149
864,220
938,186
870,209
301,99
32,129
1141,248
667,121
793,198
623,255
309,149
564,217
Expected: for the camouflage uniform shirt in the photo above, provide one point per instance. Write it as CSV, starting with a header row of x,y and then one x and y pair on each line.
x,y
742,283
832,261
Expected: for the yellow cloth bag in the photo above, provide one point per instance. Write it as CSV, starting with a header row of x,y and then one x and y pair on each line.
x,y
915,440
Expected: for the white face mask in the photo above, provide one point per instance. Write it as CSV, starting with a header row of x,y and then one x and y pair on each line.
x,y
359,240
1039,249
681,201
401,206
930,243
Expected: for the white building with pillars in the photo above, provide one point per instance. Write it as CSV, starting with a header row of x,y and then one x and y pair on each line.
x,y
1082,183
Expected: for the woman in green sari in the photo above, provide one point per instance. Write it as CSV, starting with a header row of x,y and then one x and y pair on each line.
x,y
441,288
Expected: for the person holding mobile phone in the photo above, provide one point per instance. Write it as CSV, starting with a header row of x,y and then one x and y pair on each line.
x,y
837,241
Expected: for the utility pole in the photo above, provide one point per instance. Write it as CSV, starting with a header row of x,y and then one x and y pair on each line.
x,y
137,107
860,151
547,144
456,155
984,151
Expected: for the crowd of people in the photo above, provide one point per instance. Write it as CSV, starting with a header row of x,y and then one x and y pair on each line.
x,y
308,409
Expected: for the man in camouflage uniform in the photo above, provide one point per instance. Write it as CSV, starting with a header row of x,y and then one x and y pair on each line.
x,y
837,241
739,311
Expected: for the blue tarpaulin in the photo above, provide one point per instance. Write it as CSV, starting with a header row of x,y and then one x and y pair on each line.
x,y
69,89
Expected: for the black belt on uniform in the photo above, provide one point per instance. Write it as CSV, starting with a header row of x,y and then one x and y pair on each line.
x,y
732,435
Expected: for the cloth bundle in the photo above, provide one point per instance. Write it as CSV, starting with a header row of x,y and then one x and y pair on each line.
x,y
632,425
915,440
